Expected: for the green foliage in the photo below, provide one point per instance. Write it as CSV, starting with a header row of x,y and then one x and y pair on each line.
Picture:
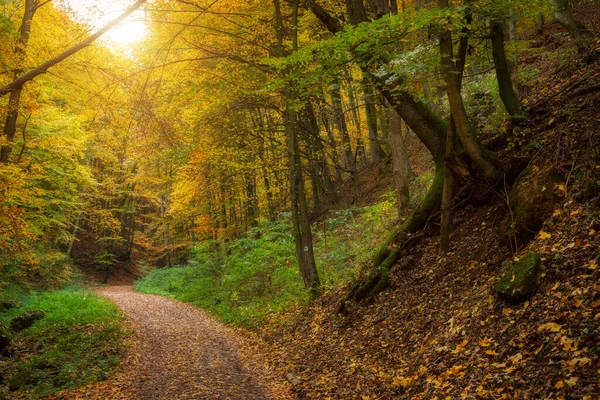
x,y
483,103
77,342
349,240
240,282
249,278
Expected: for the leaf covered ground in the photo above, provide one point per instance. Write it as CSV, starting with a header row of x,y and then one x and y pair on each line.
x,y
439,331
180,352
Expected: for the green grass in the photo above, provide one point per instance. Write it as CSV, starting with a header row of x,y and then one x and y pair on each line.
x,y
79,341
245,280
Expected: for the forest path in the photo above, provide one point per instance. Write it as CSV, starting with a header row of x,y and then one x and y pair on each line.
x,y
181,352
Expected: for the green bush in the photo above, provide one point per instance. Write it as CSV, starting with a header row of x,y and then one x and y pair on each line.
x,y
77,342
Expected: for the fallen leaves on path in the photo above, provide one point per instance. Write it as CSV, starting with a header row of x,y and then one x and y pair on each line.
x,y
180,352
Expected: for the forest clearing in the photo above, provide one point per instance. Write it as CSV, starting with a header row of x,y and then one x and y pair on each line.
x,y
300,199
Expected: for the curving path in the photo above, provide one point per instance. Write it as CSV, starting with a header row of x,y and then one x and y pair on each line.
x,y
180,352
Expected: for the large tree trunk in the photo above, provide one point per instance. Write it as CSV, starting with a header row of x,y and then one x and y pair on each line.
x,y
505,84
356,11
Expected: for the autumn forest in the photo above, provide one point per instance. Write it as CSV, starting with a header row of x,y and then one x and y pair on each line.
x,y
358,199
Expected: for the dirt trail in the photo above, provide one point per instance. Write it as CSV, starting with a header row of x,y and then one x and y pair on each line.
x,y
180,352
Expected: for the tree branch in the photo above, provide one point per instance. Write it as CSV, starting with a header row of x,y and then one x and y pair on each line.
x,y
42,68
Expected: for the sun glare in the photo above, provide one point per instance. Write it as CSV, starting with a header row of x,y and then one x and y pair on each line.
x,y
97,13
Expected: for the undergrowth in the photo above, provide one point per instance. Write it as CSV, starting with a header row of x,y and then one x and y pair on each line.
x,y
77,342
244,280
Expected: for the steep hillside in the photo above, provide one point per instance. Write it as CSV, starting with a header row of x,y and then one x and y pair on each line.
x,y
440,330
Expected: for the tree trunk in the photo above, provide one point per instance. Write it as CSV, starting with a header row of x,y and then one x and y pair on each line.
x,y
375,149
266,181
336,101
300,221
335,157
250,199
401,170
483,160
320,165
381,7
448,191
356,11
579,33
512,26
503,76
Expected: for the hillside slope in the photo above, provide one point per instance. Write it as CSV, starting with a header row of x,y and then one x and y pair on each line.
x,y
440,331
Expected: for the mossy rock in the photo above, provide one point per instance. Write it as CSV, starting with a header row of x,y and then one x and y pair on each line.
x,y
26,320
521,280
532,200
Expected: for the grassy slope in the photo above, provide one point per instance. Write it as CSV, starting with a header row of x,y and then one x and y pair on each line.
x,y
79,341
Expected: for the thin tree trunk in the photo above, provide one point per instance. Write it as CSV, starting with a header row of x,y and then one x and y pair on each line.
x,y
401,170
335,157
375,149
580,34
336,101
512,26
540,24
75,229
448,191
503,76
300,221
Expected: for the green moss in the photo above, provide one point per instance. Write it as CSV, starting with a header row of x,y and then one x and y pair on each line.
x,y
521,280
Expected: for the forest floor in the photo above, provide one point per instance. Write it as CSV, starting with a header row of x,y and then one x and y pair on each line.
x,y
180,352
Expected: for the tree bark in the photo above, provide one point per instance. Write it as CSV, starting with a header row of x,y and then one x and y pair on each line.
x,y
401,171
448,191
503,76
356,11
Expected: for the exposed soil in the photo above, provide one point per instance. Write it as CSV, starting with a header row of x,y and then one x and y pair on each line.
x,y
180,352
